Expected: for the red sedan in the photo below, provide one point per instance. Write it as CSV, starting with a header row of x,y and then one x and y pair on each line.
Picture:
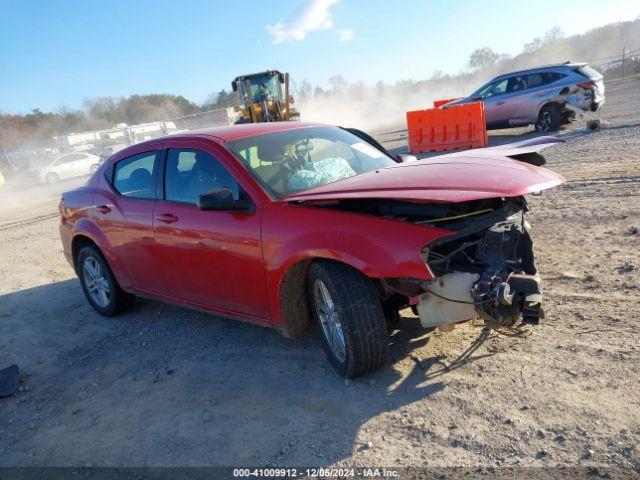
x,y
280,224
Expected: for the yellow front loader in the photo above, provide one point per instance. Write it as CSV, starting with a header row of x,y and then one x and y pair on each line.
x,y
264,97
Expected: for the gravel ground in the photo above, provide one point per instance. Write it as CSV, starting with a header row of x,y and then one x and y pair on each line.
x,y
165,386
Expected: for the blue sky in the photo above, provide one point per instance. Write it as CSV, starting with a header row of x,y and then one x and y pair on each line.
x,y
56,53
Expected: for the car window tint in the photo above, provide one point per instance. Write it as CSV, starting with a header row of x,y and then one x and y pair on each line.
x,y
534,80
134,176
501,87
516,84
190,173
493,89
551,77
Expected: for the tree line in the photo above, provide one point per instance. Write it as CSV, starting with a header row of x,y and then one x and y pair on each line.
x,y
38,127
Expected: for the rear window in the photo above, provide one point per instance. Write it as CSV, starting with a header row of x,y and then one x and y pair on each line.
x,y
588,72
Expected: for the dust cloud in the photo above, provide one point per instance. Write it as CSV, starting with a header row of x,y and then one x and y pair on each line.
x,y
374,107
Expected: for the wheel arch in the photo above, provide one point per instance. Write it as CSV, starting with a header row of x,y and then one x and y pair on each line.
x,y
78,242
86,232
548,103
293,316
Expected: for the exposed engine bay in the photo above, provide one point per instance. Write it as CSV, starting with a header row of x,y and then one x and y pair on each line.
x,y
484,269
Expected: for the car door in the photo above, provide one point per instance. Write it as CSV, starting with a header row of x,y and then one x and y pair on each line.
x,y
64,166
495,104
216,255
540,88
123,213
80,165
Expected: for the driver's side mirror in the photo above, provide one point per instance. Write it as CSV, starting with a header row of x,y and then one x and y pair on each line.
x,y
221,199
405,157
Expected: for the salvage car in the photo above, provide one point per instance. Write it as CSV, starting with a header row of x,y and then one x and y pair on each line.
x,y
546,97
287,223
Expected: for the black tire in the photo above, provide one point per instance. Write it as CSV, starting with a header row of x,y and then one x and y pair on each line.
x,y
118,300
52,178
360,313
549,119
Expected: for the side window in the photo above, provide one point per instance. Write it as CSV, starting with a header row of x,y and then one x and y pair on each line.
x,y
500,88
65,159
551,77
190,173
135,176
516,84
534,80
493,89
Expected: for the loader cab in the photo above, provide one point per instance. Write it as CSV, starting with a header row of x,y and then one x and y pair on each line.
x,y
264,97
259,86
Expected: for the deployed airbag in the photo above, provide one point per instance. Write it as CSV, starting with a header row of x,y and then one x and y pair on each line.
x,y
320,172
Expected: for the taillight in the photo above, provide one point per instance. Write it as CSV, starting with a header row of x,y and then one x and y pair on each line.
x,y
589,84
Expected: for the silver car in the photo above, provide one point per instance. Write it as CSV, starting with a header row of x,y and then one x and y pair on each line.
x,y
546,97
68,166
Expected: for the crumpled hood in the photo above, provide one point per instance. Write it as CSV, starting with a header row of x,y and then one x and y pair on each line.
x,y
438,179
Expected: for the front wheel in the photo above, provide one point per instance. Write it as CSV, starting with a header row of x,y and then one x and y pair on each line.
x,y
346,306
99,285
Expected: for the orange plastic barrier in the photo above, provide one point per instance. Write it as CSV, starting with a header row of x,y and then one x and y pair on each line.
x,y
439,103
453,128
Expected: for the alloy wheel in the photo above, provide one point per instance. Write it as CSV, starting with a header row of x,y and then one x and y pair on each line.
x,y
96,283
329,320
544,123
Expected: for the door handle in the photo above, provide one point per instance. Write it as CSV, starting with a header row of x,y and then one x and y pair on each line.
x,y
500,103
103,208
167,218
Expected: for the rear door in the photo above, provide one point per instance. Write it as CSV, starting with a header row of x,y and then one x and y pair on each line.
x,y
216,255
65,166
124,210
540,87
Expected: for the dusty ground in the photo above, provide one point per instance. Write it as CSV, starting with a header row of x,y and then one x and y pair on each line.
x,y
164,386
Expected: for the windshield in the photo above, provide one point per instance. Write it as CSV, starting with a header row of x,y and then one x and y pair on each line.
x,y
262,86
290,161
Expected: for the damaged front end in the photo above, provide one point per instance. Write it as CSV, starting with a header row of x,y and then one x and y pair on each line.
x,y
485,268
495,249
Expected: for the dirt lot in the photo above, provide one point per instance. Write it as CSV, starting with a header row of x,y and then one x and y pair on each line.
x,y
164,386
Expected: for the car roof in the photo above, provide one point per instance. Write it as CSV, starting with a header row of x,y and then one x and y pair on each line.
x,y
543,67
228,133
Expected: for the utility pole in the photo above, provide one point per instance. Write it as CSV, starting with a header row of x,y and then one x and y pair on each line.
x,y
624,51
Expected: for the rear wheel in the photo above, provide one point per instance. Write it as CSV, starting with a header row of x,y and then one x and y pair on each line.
x,y
549,119
52,178
347,308
99,285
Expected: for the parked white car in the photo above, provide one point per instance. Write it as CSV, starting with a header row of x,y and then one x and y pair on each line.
x,y
68,166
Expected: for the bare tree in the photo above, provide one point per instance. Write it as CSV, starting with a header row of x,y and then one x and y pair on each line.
x,y
338,83
481,59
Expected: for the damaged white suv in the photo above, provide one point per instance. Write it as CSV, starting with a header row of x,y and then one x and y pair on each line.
x,y
546,97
